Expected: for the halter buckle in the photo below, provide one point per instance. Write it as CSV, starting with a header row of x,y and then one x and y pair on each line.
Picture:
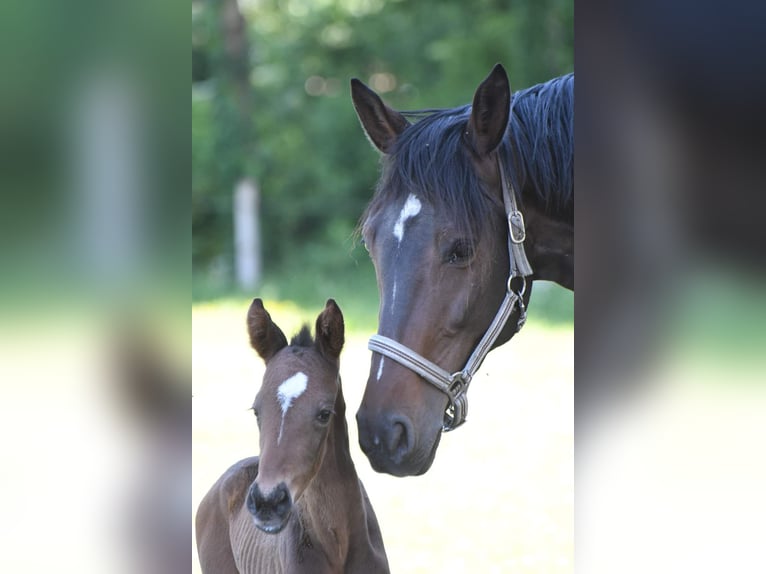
x,y
522,315
516,228
454,414
458,384
448,424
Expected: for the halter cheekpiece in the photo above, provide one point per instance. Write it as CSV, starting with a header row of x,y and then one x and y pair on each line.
x,y
455,385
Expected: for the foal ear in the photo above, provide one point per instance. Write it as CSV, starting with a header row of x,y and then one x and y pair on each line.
x,y
265,337
381,124
330,331
490,112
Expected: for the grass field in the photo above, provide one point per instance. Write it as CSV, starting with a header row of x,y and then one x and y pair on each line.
x,y
500,495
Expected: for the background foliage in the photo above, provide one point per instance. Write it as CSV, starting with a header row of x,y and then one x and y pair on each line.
x,y
305,148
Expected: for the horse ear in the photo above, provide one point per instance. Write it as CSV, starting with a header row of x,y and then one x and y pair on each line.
x,y
265,337
490,111
381,124
330,331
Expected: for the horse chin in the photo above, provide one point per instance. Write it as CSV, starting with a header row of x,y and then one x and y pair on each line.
x,y
429,460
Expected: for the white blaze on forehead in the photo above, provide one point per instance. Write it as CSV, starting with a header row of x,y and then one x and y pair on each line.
x,y
411,209
287,392
291,389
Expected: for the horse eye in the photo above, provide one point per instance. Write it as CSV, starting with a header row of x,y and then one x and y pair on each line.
x,y
324,416
459,252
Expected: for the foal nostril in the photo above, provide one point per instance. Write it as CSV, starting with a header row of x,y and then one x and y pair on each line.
x,y
276,502
254,499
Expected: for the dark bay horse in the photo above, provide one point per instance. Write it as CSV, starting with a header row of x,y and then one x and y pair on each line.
x,y
300,506
465,195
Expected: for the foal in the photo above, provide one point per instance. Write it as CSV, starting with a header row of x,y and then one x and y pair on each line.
x,y
300,506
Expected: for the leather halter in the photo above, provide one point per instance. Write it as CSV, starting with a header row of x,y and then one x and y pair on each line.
x,y
455,385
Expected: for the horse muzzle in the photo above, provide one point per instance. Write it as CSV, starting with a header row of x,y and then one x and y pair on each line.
x,y
391,444
270,511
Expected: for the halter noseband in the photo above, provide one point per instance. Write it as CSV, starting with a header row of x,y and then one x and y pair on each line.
x,y
455,385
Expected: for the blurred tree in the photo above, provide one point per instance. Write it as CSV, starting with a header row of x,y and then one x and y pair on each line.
x,y
220,55
313,164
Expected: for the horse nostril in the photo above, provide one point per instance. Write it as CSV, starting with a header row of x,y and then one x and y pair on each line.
x,y
399,442
397,434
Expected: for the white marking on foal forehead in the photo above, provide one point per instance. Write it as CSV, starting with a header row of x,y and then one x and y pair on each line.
x,y
290,390
411,209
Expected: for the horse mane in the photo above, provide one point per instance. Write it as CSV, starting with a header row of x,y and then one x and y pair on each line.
x,y
537,153
540,143
303,338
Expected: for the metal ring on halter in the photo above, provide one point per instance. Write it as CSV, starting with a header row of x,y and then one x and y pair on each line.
x,y
523,289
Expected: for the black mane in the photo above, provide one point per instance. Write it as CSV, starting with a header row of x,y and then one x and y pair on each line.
x,y
303,338
542,143
537,153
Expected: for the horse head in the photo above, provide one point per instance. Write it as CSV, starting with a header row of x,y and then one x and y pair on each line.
x,y
437,230
297,407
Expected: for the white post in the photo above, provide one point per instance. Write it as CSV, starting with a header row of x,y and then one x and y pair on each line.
x,y
247,236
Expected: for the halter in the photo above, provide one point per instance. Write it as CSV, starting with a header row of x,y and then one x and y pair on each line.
x,y
455,385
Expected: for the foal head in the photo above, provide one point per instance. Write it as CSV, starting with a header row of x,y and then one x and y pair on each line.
x,y
296,407
436,232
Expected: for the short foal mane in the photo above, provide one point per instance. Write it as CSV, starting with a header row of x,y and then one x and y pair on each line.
x,y
303,338
537,152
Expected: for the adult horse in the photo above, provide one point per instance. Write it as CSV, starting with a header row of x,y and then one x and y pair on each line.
x,y
473,205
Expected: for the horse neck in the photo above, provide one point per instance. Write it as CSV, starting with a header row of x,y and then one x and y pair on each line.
x,y
549,247
330,505
541,147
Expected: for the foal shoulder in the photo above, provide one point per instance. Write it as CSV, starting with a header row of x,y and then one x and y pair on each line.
x,y
235,482
215,513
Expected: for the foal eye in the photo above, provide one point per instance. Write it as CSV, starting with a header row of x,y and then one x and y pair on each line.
x,y
459,252
324,415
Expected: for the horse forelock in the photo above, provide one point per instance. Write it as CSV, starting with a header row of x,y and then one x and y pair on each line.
x,y
429,160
